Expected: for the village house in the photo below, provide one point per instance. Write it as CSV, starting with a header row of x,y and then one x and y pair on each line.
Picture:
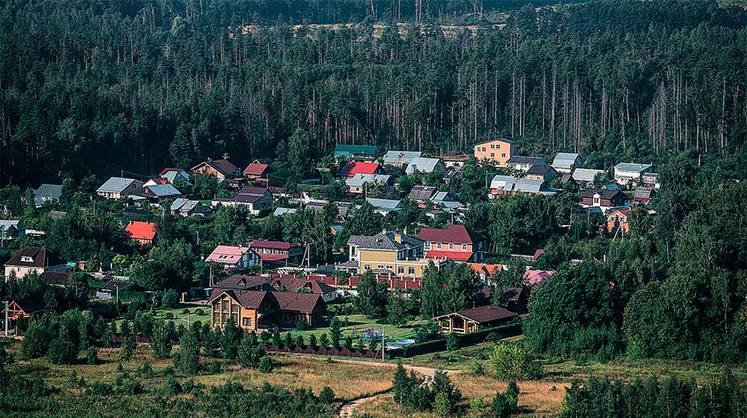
x,y
604,199
472,320
233,257
174,175
120,188
542,172
260,302
400,158
455,160
10,229
617,221
31,260
359,183
631,173
187,207
360,167
388,253
346,151
47,193
422,194
534,277
522,163
502,185
454,243
498,151
279,283
565,162
585,176
486,271
385,206
276,251
161,191
222,169
425,165
258,200
643,195
141,232
256,171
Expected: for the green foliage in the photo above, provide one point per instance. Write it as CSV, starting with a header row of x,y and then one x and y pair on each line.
x,y
170,299
335,332
511,361
372,296
250,352
161,341
670,397
266,364
128,347
396,309
230,340
326,395
187,358
452,343
410,391
449,289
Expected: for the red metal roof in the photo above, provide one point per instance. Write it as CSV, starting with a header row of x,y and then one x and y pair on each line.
x,y
456,234
277,245
450,255
360,167
255,169
141,230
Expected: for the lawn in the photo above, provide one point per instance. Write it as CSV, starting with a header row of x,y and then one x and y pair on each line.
x,y
179,316
355,325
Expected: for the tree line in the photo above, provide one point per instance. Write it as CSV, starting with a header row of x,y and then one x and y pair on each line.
x,y
139,85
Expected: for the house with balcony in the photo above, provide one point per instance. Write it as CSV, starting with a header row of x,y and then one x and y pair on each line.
x,y
389,253
454,243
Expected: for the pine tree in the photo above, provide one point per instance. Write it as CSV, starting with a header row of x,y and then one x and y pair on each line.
x,y
161,341
187,359
229,342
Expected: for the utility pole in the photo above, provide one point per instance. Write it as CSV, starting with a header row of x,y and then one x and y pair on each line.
x,y
6,318
383,343
116,288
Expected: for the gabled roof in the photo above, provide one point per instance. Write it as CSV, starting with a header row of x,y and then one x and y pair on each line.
x,y
586,175
297,301
278,245
183,205
423,165
6,224
603,193
172,174
251,299
385,204
359,167
520,159
422,192
140,230
502,182
541,170
225,167
529,186
226,254
385,241
565,159
346,149
284,211
537,277
400,157
489,269
632,167
359,179
643,193
48,191
454,234
256,168
250,194
115,185
59,278
163,190
31,257
485,314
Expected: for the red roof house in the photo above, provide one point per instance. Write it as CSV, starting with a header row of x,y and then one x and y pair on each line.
x,y
142,232
454,243
274,251
256,171
360,167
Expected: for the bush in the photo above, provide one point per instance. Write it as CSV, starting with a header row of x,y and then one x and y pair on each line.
x,y
91,355
476,368
214,367
62,351
199,311
145,369
452,343
511,361
326,395
168,315
266,364
170,299
185,311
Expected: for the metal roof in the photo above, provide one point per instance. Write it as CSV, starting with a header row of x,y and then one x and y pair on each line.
x,y
115,185
632,167
585,174
163,190
400,157
565,159
384,204
422,164
360,179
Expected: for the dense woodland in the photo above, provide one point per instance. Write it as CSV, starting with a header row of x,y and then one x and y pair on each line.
x,y
109,86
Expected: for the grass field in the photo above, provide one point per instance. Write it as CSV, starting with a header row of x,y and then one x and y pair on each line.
x,y
179,317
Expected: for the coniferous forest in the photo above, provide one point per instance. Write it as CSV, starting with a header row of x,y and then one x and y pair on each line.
x,y
96,87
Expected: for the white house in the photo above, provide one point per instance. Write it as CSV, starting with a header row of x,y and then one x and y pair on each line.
x,y
120,188
565,162
629,173
425,165
358,182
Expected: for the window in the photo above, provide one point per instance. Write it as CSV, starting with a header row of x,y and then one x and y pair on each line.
x,y
492,154
492,146
464,247
367,267
247,322
411,270
483,149
389,267
400,270
503,155
451,246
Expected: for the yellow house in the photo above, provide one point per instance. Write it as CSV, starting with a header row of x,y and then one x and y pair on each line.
x,y
389,252
497,150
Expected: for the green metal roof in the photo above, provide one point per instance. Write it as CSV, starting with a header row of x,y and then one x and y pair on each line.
x,y
345,149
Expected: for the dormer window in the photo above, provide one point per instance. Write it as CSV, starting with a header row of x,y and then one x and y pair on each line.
x,y
27,259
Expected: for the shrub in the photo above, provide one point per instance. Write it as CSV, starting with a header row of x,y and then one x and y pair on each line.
x,y
62,351
477,368
145,369
452,343
91,355
511,361
327,395
266,364
170,299
214,367
199,311
185,311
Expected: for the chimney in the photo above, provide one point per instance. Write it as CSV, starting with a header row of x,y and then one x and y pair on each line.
x,y
398,237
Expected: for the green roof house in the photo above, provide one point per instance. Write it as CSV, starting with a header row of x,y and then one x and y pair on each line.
x,y
348,151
